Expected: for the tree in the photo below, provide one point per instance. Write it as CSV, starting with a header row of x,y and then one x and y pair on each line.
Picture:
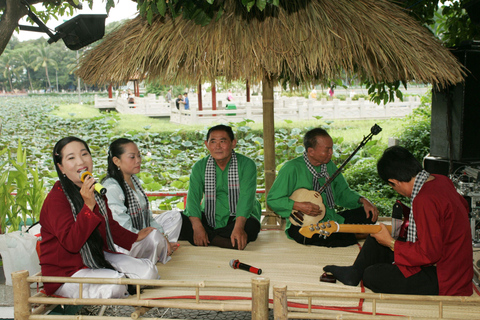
x,y
26,61
43,60
7,66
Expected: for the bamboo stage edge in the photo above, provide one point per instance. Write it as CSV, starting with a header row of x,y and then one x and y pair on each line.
x,y
259,306
281,312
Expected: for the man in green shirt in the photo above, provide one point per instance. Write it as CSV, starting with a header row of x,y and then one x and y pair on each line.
x,y
310,171
221,206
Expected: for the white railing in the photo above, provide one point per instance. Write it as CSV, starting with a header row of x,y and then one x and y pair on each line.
x,y
297,109
285,109
148,106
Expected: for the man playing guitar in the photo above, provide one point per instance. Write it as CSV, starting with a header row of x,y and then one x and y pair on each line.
x,y
436,258
310,171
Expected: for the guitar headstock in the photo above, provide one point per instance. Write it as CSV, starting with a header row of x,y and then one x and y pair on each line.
x,y
376,129
322,228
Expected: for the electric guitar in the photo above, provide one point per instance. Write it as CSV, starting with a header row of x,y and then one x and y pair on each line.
x,y
298,218
327,228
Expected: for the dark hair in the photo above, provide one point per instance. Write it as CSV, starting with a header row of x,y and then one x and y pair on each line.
x,y
95,240
221,127
116,149
70,188
399,164
310,138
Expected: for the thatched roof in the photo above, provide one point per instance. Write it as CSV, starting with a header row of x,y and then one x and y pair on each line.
x,y
309,39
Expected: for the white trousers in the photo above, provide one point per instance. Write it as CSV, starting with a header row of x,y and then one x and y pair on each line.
x,y
171,222
155,247
126,265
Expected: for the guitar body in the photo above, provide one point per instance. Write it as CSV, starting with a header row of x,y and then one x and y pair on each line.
x,y
298,218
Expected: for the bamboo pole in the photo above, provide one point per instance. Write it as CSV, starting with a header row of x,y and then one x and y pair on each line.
x,y
140,311
21,294
280,306
268,132
383,296
268,142
143,282
164,303
260,287
355,316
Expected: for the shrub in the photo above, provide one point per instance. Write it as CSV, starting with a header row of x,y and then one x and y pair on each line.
x,y
415,134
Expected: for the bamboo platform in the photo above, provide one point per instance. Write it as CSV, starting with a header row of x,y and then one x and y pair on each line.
x,y
201,278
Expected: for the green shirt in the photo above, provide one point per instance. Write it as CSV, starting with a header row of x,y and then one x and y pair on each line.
x,y
247,204
295,175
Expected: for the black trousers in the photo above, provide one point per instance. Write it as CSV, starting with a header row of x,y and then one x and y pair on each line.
x,y
380,275
252,228
354,216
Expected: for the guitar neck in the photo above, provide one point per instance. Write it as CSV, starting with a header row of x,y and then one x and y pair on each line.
x,y
327,228
361,228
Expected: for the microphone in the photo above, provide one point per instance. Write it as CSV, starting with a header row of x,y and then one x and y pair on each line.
x,y
98,187
235,264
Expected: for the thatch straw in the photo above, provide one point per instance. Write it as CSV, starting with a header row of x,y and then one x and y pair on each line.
x,y
304,41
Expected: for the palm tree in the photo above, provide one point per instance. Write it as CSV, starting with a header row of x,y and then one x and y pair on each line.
x,y
44,60
26,61
6,66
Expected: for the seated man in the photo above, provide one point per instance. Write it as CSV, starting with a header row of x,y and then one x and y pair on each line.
x,y
229,215
310,171
436,259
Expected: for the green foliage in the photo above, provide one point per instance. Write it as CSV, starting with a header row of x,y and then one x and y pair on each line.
x,y
22,191
202,12
36,124
362,177
161,90
415,133
383,91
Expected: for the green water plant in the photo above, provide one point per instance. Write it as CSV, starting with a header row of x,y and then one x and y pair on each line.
x,y
22,191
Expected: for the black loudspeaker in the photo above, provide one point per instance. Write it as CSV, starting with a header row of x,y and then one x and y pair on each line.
x,y
455,129
473,10
82,30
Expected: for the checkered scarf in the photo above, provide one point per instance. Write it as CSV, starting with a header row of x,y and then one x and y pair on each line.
x,y
211,184
140,218
420,179
323,173
85,251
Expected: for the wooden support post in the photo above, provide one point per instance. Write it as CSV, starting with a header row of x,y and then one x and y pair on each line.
x,y
269,142
248,91
280,306
21,293
214,96
260,287
199,96
110,93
